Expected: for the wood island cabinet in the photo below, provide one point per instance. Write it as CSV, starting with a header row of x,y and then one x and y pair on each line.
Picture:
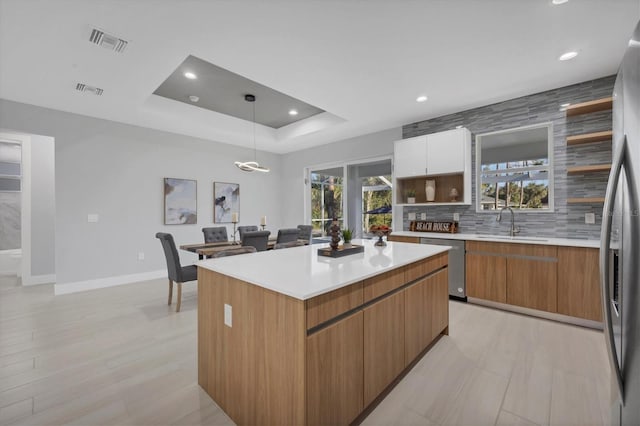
x,y
383,344
335,382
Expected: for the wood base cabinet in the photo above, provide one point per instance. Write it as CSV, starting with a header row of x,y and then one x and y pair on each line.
x,y
579,283
532,284
486,277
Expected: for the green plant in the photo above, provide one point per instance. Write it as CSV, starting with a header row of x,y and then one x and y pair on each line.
x,y
411,193
347,235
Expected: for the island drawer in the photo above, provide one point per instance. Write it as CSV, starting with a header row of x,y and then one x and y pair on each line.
x,y
383,284
425,267
327,306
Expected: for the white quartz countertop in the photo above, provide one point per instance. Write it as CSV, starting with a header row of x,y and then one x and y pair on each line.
x,y
299,272
503,239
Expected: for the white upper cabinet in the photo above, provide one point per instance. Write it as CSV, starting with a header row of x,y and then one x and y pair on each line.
x,y
446,151
435,154
410,157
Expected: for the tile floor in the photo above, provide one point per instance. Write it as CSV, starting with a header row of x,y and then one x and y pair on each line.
x,y
120,356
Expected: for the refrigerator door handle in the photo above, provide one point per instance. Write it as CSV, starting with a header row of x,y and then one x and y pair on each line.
x,y
605,246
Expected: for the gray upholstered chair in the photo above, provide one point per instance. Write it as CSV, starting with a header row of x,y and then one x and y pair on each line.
x,y
257,239
216,234
234,251
243,229
176,272
290,244
304,233
287,235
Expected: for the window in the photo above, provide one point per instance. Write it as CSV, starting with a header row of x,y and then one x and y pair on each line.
x,y
515,169
326,199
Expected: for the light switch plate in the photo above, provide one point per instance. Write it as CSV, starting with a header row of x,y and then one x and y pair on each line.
x,y
140,255
227,315
92,218
412,216
423,216
456,217
590,218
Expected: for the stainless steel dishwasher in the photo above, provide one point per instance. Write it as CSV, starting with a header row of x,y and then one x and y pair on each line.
x,y
457,287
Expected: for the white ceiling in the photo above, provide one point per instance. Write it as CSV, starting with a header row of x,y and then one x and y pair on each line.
x,y
364,62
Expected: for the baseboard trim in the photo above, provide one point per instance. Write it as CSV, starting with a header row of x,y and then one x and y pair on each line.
x,y
78,286
39,279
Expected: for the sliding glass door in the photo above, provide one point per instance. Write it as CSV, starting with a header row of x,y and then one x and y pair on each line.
x,y
327,196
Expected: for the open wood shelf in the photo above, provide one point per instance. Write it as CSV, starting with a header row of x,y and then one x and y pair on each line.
x,y
589,169
585,200
590,137
591,106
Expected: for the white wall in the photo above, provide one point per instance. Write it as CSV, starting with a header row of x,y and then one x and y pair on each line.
x,y
117,171
293,164
43,206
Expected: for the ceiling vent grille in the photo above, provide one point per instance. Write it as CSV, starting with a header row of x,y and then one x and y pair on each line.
x,y
81,87
108,41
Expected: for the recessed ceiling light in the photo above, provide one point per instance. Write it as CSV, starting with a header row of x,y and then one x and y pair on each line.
x,y
557,2
190,75
293,112
421,98
194,98
568,55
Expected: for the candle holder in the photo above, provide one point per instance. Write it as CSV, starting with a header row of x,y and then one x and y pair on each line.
x,y
234,232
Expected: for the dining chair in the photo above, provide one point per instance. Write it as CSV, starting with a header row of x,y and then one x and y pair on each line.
x,y
215,234
257,239
176,273
305,233
246,228
234,251
287,235
296,243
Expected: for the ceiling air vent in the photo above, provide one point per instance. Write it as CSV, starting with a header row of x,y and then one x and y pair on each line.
x,y
108,41
91,89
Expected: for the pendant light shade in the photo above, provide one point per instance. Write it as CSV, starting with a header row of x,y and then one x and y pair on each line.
x,y
252,166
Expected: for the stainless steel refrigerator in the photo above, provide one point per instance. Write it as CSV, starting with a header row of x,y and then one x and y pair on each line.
x,y
620,243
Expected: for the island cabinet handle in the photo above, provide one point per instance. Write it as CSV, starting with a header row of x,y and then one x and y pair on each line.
x,y
605,246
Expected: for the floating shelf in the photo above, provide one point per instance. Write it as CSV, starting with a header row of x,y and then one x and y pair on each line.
x,y
589,169
452,203
591,106
590,137
585,200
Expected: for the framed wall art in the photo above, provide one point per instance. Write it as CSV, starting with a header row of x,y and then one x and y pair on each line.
x,y
226,202
180,201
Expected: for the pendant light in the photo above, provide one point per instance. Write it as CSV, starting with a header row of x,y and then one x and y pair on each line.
x,y
251,166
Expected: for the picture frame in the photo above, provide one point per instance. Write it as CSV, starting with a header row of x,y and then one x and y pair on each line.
x,y
226,201
180,201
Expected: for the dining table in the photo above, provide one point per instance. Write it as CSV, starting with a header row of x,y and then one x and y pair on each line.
x,y
205,250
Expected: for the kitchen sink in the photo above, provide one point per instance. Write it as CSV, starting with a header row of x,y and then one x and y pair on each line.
x,y
500,237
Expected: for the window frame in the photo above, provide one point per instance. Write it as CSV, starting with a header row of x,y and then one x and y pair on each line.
x,y
549,168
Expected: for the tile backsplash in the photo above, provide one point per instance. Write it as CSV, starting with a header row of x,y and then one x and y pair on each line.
x,y
567,220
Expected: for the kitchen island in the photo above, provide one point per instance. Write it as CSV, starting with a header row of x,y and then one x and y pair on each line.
x,y
290,337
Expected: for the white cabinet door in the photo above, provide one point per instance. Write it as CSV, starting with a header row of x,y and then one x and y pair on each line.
x,y
410,157
446,152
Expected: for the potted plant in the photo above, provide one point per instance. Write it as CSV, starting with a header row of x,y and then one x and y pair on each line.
x,y
347,235
411,196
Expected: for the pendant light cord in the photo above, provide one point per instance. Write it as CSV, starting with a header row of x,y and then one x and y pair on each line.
x,y
255,149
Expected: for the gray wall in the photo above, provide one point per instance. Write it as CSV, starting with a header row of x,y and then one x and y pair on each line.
x,y
292,185
117,170
43,206
568,219
10,220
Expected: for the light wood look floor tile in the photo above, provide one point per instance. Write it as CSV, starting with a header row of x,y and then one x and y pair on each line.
x,y
121,356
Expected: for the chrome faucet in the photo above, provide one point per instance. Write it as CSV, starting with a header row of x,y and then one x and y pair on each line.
x,y
514,229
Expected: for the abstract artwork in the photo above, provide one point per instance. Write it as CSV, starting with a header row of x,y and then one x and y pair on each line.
x,y
226,201
180,201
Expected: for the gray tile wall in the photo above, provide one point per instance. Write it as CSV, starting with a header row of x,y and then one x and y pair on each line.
x,y
567,220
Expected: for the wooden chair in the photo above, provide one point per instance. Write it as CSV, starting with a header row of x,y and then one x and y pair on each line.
x,y
176,272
